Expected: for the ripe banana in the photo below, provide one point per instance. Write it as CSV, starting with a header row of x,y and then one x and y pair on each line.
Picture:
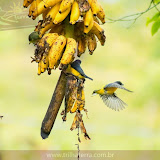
x,y
82,44
101,14
52,13
56,51
46,28
61,16
65,4
48,39
32,8
99,32
92,44
44,46
75,13
51,3
68,55
87,29
40,8
43,65
96,19
88,18
44,14
39,68
74,108
26,3
94,6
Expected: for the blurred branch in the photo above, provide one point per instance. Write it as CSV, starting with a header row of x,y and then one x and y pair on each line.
x,y
156,6
136,15
54,106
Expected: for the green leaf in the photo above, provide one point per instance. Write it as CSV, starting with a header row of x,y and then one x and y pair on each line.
x,y
156,1
155,27
154,18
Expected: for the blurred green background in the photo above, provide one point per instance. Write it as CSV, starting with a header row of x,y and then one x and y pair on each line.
x,y
130,55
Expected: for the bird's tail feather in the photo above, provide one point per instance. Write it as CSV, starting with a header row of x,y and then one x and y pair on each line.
x,y
89,78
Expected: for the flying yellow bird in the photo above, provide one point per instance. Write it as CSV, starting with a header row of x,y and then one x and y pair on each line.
x,y
110,98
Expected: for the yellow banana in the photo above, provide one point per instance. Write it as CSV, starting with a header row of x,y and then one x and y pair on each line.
x,y
92,44
33,7
44,14
99,32
38,26
87,29
44,66
56,51
39,68
46,28
49,71
26,3
88,18
48,39
65,5
82,43
52,13
40,8
94,6
68,55
74,108
44,46
60,17
95,19
98,27
51,3
101,14
75,13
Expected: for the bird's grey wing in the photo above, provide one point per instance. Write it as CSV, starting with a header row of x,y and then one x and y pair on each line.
x,y
113,102
115,85
80,70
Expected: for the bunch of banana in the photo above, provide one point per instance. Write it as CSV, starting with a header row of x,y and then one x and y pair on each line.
x,y
88,39
55,11
78,123
53,49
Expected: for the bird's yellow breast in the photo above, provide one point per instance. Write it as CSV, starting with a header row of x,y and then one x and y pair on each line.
x,y
111,90
74,72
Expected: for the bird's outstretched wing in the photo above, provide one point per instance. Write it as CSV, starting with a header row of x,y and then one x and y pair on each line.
x,y
113,102
116,85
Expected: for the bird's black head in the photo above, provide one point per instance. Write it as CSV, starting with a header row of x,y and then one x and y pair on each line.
x,y
77,61
118,82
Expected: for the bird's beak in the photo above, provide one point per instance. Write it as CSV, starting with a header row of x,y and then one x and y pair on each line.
x,y
93,94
